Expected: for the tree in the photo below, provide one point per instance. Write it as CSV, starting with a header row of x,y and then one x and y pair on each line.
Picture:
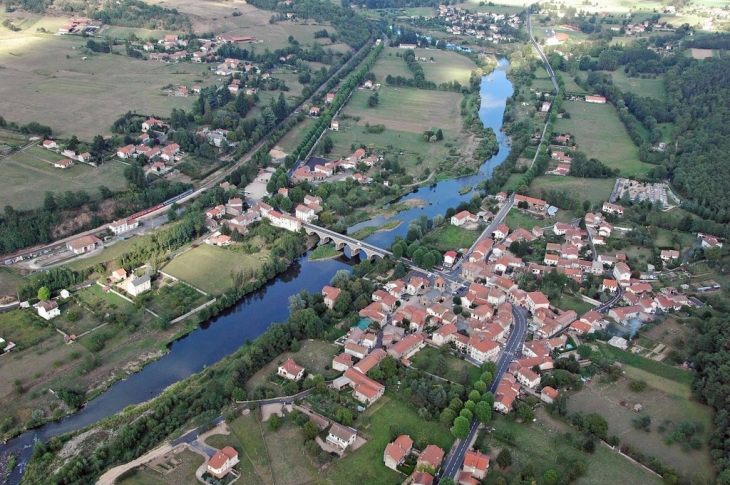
x,y
274,422
526,413
460,430
344,416
504,458
439,135
596,424
294,347
328,144
483,412
44,293
550,477
310,430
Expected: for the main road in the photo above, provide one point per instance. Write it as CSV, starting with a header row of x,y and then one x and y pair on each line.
x,y
512,349
542,55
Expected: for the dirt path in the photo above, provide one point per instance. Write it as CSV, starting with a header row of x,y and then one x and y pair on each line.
x,y
109,477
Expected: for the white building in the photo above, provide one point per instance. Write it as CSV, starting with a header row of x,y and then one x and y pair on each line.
x,y
48,309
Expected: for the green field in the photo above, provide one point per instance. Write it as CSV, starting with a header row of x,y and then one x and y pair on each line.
x,y
451,238
653,88
209,268
516,218
9,283
314,355
110,253
572,302
663,409
389,63
597,191
366,464
247,429
445,365
546,444
447,66
292,139
600,134
29,174
657,368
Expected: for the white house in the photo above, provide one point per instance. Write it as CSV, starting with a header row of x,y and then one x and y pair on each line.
x,y
291,370
123,225
222,462
47,309
341,436
137,286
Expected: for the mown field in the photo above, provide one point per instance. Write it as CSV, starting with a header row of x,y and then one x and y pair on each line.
x,y
29,174
209,268
447,66
451,238
653,88
597,191
600,134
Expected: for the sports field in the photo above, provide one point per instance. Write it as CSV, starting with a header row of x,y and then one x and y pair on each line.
x,y
209,268
600,134
29,174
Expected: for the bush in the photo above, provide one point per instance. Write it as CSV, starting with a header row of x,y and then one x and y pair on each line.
x,y
637,386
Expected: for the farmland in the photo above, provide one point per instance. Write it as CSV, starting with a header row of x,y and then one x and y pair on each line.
x,y
202,266
597,191
600,134
666,412
29,174
447,66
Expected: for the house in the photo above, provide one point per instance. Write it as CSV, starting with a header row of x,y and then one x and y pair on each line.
x,y
47,309
50,145
430,457
290,370
526,377
482,349
618,342
149,123
443,334
314,111
476,464
537,300
365,389
595,99
335,125
669,255
507,392
501,231
548,394
65,163
624,313
622,273
83,244
329,98
137,286
612,209
532,203
462,218
408,346
421,478
126,152
709,242
342,362
371,361
222,462
330,294
341,436
396,451
609,285
449,258
118,274
123,225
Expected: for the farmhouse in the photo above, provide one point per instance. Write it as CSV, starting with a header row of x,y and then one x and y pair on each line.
x,y
47,309
222,462
65,163
50,144
396,451
83,244
462,218
290,370
532,203
613,208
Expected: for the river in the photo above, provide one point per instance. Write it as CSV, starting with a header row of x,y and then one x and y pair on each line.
x,y
250,317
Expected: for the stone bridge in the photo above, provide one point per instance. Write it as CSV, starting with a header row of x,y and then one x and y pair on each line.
x,y
341,241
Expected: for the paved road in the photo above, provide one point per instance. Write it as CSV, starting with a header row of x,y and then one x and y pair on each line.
x,y
512,349
352,241
612,302
544,58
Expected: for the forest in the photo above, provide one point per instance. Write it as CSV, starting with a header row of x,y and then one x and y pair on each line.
x,y
135,13
712,382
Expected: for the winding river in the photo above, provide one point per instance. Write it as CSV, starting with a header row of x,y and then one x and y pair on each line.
x,y
250,317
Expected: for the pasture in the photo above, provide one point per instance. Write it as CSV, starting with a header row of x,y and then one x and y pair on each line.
x,y
547,444
389,63
653,88
210,268
663,408
447,66
29,174
292,139
600,134
45,79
